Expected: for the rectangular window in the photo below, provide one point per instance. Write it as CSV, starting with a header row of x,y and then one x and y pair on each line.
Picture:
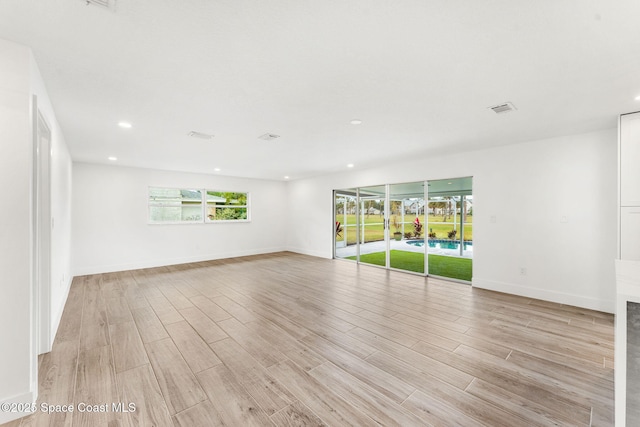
x,y
177,206
172,205
225,206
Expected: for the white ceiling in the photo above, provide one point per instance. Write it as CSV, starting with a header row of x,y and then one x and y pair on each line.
x,y
419,74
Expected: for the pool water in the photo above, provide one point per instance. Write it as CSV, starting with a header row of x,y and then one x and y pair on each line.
x,y
441,244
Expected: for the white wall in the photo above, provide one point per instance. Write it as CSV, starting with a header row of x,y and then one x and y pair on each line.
x,y
60,172
19,81
529,188
16,358
111,233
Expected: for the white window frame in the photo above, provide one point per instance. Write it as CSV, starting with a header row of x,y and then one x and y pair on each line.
x,y
225,221
204,219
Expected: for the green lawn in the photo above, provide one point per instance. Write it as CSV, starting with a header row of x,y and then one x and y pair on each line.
x,y
439,265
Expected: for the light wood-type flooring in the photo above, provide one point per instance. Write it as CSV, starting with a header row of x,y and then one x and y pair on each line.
x,y
292,340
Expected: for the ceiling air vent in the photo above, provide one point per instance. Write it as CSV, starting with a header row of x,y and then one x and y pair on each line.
x,y
105,4
269,136
503,108
200,135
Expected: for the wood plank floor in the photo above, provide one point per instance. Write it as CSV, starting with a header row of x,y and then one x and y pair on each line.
x,y
286,339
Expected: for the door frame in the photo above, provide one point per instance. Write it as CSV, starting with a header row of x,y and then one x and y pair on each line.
x,y
360,227
42,229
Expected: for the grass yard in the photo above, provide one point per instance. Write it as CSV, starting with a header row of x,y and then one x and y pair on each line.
x,y
374,231
439,265
446,266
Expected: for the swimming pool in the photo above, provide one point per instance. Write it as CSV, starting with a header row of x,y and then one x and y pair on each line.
x,y
441,244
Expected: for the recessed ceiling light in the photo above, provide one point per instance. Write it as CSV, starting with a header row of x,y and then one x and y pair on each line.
x,y
112,158
286,177
350,165
356,122
638,98
216,169
125,125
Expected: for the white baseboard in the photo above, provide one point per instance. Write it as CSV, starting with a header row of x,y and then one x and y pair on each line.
x,y
543,294
24,398
99,269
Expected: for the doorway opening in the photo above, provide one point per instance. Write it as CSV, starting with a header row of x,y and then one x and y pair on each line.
x,y
422,227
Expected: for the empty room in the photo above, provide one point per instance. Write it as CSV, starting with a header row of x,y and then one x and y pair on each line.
x,y
292,213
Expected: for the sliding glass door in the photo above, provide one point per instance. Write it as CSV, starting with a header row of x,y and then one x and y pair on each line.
x,y
450,228
382,225
373,224
407,221
345,225
396,225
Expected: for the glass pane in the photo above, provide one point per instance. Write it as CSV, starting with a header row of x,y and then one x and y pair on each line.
x,y
227,206
226,213
175,205
175,214
226,198
450,228
173,196
373,246
345,223
407,222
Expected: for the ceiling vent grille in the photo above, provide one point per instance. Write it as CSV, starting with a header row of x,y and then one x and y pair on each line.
x,y
200,135
503,108
268,136
105,4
